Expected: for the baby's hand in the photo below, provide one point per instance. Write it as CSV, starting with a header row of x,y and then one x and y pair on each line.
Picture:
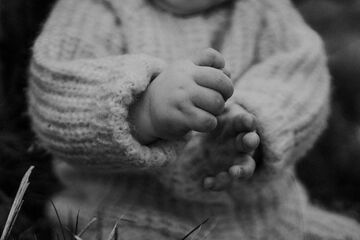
x,y
236,127
188,95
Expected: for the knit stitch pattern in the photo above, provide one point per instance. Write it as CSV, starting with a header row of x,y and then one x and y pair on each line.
x,y
94,59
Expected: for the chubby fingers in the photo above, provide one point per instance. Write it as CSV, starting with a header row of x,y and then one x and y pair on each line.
x,y
234,120
244,122
211,73
208,100
214,79
247,142
219,182
243,167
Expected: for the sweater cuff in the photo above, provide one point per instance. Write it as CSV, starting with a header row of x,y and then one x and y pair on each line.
x,y
113,100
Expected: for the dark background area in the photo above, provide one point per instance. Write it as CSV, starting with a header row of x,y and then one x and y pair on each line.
x,y
20,23
331,171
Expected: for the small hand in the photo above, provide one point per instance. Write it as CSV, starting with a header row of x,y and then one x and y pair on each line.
x,y
187,95
236,128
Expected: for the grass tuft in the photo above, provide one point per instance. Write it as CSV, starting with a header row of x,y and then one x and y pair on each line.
x,y
74,234
59,220
16,206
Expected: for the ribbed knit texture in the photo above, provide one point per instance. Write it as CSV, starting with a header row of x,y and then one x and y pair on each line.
x,y
94,58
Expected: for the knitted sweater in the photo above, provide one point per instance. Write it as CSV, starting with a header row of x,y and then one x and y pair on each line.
x,y
92,61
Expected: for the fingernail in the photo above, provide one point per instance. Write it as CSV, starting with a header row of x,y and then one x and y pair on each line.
x,y
249,122
209,183
236,171
251,141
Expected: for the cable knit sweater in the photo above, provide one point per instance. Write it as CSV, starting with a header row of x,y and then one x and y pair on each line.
x,y
93,60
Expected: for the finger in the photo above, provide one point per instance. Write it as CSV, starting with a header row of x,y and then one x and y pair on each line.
x,y
210,58
244,121
222,122
222,181
214,79
230,123
226,71
209,183
247,142
251,141
200,120
208,100
234,120
243,167
225,129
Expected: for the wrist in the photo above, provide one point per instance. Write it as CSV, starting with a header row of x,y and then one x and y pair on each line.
x,y
143,129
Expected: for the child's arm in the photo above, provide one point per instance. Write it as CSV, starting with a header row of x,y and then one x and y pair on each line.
x,y
288,89
81,89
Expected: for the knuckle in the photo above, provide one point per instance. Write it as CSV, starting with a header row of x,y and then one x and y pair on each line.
x,y
228,83
208,123
218,103
188,63
188,68
183,66
209,57
183,91
214,54
181,62
230,90
176,98
225,84
182,106
219,80
221,77
210,52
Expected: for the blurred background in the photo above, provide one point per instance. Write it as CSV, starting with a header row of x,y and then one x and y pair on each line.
x,y
331,171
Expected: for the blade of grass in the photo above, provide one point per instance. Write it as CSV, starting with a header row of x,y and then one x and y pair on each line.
x,y
116,237
209,229
77,222
59,220
113,232
87,226
194,229
70,226
16,206
76,237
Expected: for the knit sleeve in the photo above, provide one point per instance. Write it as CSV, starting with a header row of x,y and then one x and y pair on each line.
x,y
81,88
288,88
